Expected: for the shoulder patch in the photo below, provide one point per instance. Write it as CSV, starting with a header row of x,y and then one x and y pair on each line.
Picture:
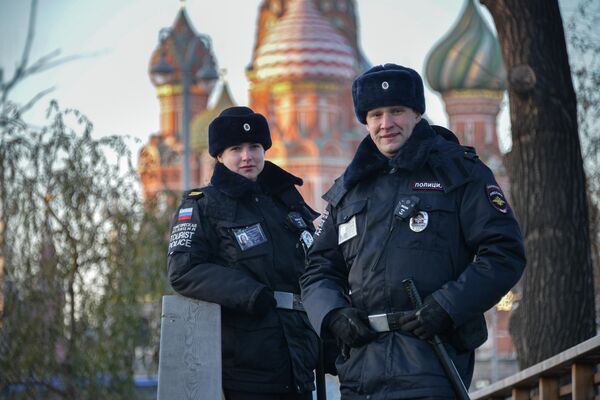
x,y
496,198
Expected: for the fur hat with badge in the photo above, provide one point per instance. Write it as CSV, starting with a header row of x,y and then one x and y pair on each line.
x,y
237,125
385,86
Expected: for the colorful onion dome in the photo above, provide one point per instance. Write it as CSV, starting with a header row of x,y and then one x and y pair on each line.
x,y
177,42
303,45
199,125
468,57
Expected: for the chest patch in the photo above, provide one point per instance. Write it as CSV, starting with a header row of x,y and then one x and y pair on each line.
x,y
496,198
250,236
347,231
427,185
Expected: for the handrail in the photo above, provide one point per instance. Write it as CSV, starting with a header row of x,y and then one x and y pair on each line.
x,y
543,380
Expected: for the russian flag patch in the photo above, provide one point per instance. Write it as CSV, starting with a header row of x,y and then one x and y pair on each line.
x,y
185,214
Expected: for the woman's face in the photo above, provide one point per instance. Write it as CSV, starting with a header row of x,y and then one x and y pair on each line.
x,y
246,159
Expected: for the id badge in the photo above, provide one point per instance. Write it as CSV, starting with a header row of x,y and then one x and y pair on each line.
x,y
250,236
347,231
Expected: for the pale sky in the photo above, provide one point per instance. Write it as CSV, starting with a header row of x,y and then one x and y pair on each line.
x,y
113,88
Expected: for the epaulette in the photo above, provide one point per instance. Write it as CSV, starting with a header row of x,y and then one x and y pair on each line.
x,y
449,164
470,153
195,194
335,194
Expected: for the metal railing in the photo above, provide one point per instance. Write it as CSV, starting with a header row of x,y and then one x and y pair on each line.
x,y
572,374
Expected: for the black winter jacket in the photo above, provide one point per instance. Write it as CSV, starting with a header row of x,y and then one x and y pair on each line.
x,y
228,242
466,251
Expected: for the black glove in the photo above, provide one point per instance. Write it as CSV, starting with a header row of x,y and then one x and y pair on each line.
x,y
431,319
351,326
264,302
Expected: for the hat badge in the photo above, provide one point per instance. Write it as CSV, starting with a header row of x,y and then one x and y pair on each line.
x,y
385,85
247,127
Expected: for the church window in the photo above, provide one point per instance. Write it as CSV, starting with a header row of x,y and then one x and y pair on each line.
x,y
489,134
469,133
302,116
324,116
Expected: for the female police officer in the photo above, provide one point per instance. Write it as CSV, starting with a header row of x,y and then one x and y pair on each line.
x,y
239,243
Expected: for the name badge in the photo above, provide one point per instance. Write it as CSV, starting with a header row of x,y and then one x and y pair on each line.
x,y
347,231
250,236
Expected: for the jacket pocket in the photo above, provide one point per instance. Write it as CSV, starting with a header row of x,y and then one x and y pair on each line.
x,y
433,228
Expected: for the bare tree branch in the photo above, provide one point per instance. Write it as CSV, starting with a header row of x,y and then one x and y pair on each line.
x,y
23,109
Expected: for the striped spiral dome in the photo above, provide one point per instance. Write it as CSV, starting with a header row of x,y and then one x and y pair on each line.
x,y
303,45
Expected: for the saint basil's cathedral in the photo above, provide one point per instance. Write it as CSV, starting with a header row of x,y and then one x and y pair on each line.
x,y
305,57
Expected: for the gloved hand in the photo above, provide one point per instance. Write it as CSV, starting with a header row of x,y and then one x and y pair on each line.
x,y
264,302
431,319
351,326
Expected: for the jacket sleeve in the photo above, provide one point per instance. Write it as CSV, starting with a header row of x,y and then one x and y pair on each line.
x,y
492,233
193,263
325,282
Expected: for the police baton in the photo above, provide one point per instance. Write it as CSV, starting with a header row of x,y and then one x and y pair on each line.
x,y
438,346
320,374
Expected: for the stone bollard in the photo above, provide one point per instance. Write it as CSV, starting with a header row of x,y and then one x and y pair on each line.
x,y
189,366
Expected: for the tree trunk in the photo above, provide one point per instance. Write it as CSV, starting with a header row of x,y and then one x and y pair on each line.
x,y
545,168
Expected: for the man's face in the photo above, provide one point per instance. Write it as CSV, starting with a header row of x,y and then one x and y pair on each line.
x,y
246,159
390,127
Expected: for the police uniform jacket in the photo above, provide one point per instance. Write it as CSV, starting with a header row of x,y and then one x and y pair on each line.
x,y
463,247
228,242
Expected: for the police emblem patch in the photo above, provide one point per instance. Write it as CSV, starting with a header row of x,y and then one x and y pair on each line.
x,y
496,198
250,236
419,222
306,238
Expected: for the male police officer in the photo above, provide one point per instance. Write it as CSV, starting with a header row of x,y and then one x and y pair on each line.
x,y
412,204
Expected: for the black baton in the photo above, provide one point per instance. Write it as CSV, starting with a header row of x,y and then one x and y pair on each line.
x,y
320,375
438,346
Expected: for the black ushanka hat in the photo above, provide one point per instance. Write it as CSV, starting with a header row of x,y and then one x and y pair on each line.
x,y
237,125
387,85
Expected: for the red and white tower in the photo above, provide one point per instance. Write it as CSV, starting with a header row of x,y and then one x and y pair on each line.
x,y
300,78
160,161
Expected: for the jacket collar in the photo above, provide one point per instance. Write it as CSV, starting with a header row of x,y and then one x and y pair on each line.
x,y
411,156
272,180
